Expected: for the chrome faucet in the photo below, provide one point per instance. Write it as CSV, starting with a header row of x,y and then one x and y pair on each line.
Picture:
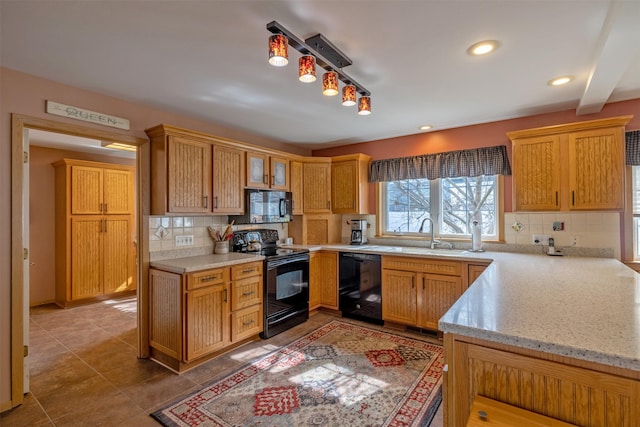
x,y
433,242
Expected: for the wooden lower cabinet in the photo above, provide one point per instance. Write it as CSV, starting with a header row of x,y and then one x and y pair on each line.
x,y
418,291
323,280
197,315
207,319
576,392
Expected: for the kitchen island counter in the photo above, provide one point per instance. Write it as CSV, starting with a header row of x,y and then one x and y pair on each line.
x,y
584,308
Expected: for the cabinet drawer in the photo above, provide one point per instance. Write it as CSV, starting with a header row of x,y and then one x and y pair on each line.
x,y
424,265
487,412
246,322
246,292
249,269
207,278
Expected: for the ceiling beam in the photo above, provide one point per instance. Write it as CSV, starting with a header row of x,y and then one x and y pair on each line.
x,y
618,48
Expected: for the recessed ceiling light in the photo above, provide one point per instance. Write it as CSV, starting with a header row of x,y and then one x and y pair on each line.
x,y
483,47
559,81
425,127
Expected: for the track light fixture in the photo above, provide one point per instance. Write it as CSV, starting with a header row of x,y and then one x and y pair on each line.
x,y
318,50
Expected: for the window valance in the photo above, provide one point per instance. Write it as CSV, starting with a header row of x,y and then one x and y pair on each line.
x,y
451,164
632,147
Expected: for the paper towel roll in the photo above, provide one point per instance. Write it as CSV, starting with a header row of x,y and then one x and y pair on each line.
x,y
476,237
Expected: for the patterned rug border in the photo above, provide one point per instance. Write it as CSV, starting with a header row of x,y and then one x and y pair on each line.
x,y
425,415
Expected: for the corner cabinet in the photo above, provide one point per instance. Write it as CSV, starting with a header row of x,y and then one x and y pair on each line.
x,y
349,184
578,166
195,316
95,231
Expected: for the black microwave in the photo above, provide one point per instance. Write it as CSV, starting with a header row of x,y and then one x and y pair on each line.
x,y
264,207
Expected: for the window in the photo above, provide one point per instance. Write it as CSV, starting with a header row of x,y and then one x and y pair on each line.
x,y
452,203
636,212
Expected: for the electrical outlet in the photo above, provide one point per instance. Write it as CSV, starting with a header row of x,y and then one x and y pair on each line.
x,y
574,241
184,240
540,239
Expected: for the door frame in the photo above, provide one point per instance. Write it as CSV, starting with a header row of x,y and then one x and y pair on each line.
x,y
18,124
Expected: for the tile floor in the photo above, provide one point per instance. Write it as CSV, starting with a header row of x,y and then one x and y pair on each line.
x,y
84,370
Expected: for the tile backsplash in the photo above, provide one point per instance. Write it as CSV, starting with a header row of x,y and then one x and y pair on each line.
x,y
164,229
579,229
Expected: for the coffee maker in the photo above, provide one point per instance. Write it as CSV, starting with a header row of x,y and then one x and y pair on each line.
x,y
358,231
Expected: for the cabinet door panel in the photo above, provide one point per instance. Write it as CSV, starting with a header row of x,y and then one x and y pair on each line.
x,y
118,192
207,320
296,187
344,187
537,173
317,187
257,170
399,297
279,174
596,172
228,171
86,257
438,295
86,190
119,265
189,164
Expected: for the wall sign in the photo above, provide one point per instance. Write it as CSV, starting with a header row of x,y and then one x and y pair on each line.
x,y
86,115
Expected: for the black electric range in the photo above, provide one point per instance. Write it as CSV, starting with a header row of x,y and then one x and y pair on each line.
x,y
285,279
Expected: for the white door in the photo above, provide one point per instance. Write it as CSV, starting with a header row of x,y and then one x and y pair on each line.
x,y
27,260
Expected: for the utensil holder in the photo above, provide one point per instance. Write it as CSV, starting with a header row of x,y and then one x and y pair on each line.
x,y
221,247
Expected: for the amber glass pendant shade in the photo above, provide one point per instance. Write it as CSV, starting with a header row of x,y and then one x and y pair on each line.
x,y
278,50
307,69
349,95
364,105
330,83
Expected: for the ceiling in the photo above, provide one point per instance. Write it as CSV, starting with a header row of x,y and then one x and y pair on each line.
x,y
208,59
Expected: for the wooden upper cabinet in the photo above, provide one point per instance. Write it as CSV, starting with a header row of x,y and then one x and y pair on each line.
x,y
188,175
577,166
349,184
181,171
265,171
118,189
228,172
86,190
596,169
317,187
536,164
296,187
96,190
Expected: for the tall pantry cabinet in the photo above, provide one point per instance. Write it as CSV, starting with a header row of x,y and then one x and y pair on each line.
x,y
95,229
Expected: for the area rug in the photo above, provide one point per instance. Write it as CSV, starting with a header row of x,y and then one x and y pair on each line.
x,y
338,375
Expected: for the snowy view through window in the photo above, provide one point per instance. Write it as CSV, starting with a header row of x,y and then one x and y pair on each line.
x,y
453,204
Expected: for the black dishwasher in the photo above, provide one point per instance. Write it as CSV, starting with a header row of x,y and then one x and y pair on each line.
x,y
360,287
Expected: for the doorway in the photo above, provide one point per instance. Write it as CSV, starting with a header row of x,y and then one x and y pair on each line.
x,y
22,125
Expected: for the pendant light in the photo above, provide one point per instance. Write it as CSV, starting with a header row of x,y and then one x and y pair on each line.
x,y
278,50
307,69
330,83
364,105
349,95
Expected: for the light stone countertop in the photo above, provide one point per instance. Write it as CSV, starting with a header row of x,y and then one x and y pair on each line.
x,y
580,307
584,308
203,262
